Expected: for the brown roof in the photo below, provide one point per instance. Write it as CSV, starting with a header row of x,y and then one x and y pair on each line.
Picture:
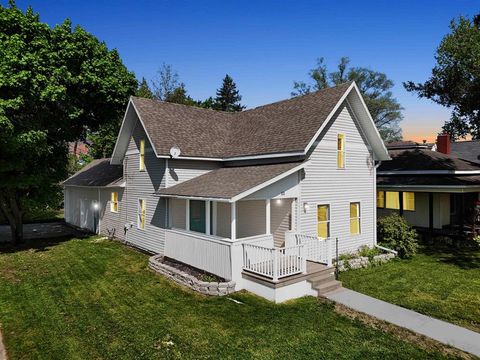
x,y
228,182
99,172
284,126
423,159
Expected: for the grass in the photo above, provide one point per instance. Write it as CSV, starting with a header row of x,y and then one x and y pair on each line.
x,y
39,216
443,283
96,299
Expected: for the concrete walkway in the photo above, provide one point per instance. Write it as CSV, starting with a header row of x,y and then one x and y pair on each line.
x,y
3,352
441,331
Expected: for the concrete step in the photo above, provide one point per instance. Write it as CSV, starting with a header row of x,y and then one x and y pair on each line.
x,y
322,278
327,287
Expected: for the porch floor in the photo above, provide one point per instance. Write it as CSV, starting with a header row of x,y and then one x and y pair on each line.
x,y
313,269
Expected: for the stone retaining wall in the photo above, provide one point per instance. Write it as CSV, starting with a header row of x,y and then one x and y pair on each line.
x,y
363,262
208,288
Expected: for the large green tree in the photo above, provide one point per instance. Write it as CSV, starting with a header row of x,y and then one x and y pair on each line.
x,y
56,85
455,79
375,87
228,97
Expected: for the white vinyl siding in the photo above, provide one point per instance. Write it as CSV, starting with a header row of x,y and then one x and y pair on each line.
x,y
280,219
182,170
251,218
324,183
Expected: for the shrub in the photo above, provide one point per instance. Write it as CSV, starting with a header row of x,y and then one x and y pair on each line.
x,y
394,232
369,252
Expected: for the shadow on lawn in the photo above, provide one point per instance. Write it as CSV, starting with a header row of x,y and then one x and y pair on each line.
x,y
38,245
467,259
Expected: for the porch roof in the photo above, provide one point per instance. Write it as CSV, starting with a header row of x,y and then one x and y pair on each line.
x,y
232,183
432,182
98,173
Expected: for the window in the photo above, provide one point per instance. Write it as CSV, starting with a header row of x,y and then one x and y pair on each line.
x,y
409,201
142,209
197,215
341,151
114,202
392,200
380,199
323,221
142,155
354,218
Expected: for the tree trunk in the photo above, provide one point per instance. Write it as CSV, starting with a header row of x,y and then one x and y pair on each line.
x,y
10,206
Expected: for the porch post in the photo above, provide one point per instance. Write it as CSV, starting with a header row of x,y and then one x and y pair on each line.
x,y
207,217
293,215
214,218
233,218
267,216
430,214
187,214
400,200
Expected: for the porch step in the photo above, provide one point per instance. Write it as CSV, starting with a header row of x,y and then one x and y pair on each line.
x,y
324,283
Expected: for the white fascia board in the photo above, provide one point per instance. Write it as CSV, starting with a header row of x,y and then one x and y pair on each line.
x,y
269,182
145,129
428,172
329,117
115,149
192,197
265,156
382,144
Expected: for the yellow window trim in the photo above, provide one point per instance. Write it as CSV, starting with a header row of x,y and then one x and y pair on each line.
x,y
142,204
341,151
381,199
323,221
142,155
355,216
114,201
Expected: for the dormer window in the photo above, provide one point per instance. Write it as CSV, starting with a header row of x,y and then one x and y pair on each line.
x,y
142,155
341,151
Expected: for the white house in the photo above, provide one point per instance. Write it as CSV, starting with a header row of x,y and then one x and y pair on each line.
x,y
257,197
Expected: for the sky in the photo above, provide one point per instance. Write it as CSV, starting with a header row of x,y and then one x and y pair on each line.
x,y
266,45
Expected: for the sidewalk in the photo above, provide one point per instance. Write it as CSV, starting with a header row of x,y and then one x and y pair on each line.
x,y
441,331
3,352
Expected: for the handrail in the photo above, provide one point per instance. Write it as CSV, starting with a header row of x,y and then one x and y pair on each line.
x,y
274,263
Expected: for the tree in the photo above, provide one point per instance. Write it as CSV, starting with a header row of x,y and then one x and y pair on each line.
x,y
455,78
180,96
166,82
56,85
228,98
144,90
374,86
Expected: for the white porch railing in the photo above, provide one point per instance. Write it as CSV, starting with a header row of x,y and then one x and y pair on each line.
x,y
274,263
316,249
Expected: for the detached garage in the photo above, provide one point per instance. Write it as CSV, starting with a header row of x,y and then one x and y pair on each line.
x,y
93,198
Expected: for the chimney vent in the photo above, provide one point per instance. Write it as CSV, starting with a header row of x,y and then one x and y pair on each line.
x,y
443,143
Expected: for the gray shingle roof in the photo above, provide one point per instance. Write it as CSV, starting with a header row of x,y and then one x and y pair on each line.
x,y
97,173
284,126
468,150
228,182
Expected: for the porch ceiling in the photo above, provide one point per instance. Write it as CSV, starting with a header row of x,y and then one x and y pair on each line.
x,y
232,183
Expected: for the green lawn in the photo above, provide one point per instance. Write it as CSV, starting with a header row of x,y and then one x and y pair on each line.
x,y
96,299
443,283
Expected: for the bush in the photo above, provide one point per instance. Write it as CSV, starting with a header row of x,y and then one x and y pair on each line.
x,y
369,252
394,232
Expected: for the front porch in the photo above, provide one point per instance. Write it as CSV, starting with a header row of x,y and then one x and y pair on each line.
x,y
257,237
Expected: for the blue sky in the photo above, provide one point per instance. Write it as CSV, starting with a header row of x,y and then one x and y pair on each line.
x,y
266,45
